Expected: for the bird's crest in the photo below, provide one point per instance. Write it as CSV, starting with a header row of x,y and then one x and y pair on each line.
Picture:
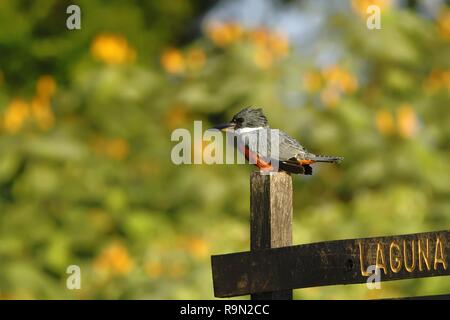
x,y
253,117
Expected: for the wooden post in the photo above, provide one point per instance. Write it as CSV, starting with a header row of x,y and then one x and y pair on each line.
x,y
271,218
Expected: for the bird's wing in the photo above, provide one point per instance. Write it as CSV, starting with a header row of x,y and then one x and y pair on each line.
x,y
289,147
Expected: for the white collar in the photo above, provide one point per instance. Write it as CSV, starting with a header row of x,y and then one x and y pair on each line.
x,y
246,130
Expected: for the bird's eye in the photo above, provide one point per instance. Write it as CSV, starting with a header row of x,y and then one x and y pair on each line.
x,y
240,120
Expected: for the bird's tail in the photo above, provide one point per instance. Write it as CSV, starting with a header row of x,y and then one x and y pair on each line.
x,y
330,159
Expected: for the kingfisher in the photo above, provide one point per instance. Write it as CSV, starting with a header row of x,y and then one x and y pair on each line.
x,y
291,157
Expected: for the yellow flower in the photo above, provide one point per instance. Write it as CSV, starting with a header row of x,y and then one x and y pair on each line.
x,y
406,121
236,30
112,49
114,259
198,248
16,114
262,57
177,269
340,79
269,43
176,116
260,37
117,148
443,22
42,113
332,74
384,122
100,220
312,81
348,83
173,61
279,44
17,296
360,6
153,269
195,59
46,86
330,97
151,168
224,34
436,80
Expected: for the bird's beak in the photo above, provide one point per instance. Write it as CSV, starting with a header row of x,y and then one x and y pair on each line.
x,y
224,127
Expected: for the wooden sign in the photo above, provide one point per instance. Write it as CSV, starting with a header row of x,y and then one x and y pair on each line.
x,y
332,263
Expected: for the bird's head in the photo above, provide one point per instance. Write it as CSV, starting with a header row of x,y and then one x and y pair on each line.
x,y
246,118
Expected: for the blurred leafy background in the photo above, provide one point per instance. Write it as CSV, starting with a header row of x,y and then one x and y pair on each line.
x,y
86,118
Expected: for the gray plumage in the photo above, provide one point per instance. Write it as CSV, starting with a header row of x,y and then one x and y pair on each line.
x,y
253,132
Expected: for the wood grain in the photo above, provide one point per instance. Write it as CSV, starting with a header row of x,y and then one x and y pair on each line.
x,y
271,218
